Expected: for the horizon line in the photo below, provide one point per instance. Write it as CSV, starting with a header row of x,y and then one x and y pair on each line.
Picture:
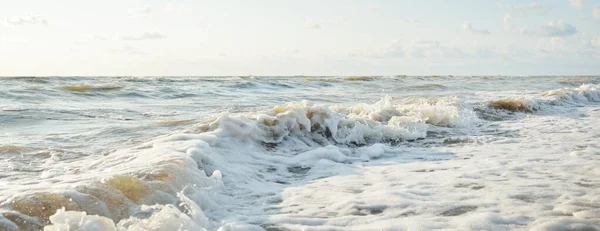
x,y
399,75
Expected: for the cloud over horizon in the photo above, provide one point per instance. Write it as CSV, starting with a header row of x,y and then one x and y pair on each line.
x,y
468,27
507,21
577,3
393,50
27,20
595,41
311,24
552,29
145,36
526,9
596,12
143,11
127,49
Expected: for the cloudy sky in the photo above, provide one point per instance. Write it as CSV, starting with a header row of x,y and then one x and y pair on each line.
x,y
309,37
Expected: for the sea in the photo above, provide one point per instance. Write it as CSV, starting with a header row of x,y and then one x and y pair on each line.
x,y
300,153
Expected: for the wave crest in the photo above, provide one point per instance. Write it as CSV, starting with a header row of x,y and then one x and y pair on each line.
x,y
360,124
520,105
583,94
587,93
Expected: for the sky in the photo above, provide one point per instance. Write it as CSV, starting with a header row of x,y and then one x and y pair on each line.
x,y
309,37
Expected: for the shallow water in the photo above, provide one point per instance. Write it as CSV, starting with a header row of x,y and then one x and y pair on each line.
x,y
300,153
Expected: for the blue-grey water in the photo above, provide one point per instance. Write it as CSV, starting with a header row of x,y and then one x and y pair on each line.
x,y
259,145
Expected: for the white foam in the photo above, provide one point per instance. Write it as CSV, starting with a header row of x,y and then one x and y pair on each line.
x,y
72,220
490,221
582,94
166,217
562,224
531,183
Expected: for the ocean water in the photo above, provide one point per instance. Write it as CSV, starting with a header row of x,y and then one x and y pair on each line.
x,y
300,153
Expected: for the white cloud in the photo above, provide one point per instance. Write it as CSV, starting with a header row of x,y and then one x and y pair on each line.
x,y
141,11
425,48
596,12
554,44
145,36
27,20
557,42
178,7
393,50
595,41
552,29
577,3
374,8
430,49
97,37
127,49
412,21
532,7
292,51
517,11
312,24
436,49
590,47
507,23
468,27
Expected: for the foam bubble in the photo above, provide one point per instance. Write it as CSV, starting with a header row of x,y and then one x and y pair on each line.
x,y
71,220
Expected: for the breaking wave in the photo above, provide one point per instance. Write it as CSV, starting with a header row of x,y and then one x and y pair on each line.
x,y
159,184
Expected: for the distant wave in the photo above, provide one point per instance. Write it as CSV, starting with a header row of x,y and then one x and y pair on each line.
x,y
87,88
584,94
360,78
